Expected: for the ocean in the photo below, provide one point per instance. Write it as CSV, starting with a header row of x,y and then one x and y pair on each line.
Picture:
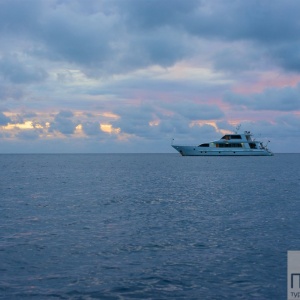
x,y
147,226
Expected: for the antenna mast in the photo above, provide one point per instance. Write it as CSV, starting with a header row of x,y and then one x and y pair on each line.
x,y
237,128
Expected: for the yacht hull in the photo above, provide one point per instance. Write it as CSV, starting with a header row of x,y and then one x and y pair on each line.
x,y
202,151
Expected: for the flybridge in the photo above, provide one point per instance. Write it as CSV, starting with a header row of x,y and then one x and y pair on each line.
x,y
246,136
231,137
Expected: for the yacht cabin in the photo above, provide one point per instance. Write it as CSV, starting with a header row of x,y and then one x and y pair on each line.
x,y
235,141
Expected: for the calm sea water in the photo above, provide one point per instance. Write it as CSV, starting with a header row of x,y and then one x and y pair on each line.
x,y
147,226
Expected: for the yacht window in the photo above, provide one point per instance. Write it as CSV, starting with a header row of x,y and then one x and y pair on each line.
x,y
252,145
239,145
204,145
226,137
229,145
236,137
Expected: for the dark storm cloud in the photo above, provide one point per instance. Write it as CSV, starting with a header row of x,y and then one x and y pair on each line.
x,y
284,99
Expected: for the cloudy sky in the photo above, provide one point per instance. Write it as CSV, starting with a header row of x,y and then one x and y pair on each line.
x,y
130,75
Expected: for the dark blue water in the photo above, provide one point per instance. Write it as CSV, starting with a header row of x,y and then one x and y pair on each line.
x,y
147,226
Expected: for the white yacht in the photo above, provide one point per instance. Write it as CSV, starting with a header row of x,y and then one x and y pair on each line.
x,y
229,145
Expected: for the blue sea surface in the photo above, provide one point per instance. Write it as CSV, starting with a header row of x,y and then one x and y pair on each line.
x,y
147,226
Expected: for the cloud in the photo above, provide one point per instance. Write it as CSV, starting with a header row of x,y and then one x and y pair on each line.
x,y
28,134
63,123
287,55
4,120
241,57
135,119
149,68
91,128
10,92
239,20
113,37
290,124
29,115
195,111
19,17
12,69
152,121
146,15
284,99
77,38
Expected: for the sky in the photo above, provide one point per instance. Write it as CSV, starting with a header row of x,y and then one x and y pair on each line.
x,y
129,76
